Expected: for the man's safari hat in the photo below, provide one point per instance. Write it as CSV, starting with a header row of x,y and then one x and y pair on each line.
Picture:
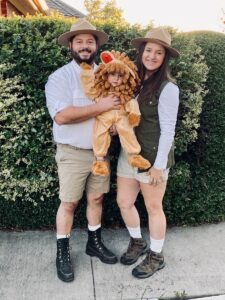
x,y
82,26
159,36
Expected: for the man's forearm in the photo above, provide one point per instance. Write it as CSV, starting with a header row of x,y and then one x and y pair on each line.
x,y
77,114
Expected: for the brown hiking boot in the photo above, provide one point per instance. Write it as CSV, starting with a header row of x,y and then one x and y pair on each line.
x,y
152,263
136,248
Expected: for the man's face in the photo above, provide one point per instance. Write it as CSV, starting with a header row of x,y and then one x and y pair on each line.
x,y
83,48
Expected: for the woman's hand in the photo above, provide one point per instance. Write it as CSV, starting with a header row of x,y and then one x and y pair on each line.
x,y
155,176
112,130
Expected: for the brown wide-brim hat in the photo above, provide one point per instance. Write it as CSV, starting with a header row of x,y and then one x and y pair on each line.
x,y
83,26
159,36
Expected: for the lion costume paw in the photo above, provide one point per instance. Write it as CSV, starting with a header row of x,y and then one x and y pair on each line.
x,y
133,119
85,66
137,161
100,168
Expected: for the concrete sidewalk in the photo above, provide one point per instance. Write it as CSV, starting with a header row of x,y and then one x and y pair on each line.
x,y
195,267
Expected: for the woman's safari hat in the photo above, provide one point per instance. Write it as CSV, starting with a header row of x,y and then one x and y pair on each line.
x,y
159,36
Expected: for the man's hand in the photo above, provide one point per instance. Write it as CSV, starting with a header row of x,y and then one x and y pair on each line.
x,y
108,103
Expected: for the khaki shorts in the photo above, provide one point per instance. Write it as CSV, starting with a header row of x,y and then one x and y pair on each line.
x,y
74,170
125,170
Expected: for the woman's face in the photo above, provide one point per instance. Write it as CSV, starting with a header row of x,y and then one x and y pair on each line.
x,y
153,56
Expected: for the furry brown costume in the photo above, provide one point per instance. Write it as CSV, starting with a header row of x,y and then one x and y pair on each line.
x,y
96,86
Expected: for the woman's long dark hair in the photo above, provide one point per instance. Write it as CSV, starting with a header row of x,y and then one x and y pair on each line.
x,y
153,83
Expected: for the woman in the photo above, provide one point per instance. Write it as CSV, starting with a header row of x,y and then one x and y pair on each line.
x,y
158,100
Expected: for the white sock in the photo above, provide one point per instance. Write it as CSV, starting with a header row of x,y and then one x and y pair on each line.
x,y
156,245
94,227
62,236
135,232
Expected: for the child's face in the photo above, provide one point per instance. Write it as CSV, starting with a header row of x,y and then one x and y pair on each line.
x,y
115,79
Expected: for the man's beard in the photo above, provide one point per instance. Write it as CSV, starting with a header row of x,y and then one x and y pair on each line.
x,y
80,60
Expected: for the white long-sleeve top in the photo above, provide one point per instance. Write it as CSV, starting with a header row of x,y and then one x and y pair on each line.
x,y
167,110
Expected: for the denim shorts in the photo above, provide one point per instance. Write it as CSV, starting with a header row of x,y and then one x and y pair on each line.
x,y
125,170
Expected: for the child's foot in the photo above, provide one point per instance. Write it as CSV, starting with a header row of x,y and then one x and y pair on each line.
x,y
100,168
138,161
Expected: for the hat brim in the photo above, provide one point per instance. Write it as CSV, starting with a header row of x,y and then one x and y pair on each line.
x,y
64,38
137,42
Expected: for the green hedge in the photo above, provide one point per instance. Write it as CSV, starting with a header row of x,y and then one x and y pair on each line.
x,y
204,199
208,163
28,177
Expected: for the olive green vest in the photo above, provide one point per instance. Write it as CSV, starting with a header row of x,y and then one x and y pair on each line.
x,y
148,131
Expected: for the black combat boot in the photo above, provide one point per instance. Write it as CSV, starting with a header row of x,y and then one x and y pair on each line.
x,y
95,247
63,262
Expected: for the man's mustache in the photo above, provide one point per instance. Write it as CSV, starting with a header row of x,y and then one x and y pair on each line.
x,y
85,50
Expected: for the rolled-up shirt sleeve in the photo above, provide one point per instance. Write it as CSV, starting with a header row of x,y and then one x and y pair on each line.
x,y
167,110
58,94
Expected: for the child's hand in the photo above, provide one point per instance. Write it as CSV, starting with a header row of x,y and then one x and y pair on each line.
x,y
85,66
133,111
133,119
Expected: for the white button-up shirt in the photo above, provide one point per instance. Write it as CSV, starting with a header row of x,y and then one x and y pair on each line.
x,y
62,90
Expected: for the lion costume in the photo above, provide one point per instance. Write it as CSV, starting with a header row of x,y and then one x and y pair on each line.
x,y
96,86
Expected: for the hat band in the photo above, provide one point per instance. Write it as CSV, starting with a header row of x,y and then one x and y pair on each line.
x,y
160,41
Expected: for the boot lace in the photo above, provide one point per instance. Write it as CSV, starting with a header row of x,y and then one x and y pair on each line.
x,y
151,262
64,253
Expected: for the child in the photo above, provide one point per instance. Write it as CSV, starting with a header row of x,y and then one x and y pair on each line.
x,y
116,75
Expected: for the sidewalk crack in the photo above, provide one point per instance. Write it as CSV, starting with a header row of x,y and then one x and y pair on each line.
x,y
93,279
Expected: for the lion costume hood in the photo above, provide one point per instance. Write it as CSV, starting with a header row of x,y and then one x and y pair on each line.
x,y
116,62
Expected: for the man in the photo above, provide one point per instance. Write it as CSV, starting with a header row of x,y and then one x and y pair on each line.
x,y
73,115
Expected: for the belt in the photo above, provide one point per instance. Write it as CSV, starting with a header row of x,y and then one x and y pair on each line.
x,y
74,147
